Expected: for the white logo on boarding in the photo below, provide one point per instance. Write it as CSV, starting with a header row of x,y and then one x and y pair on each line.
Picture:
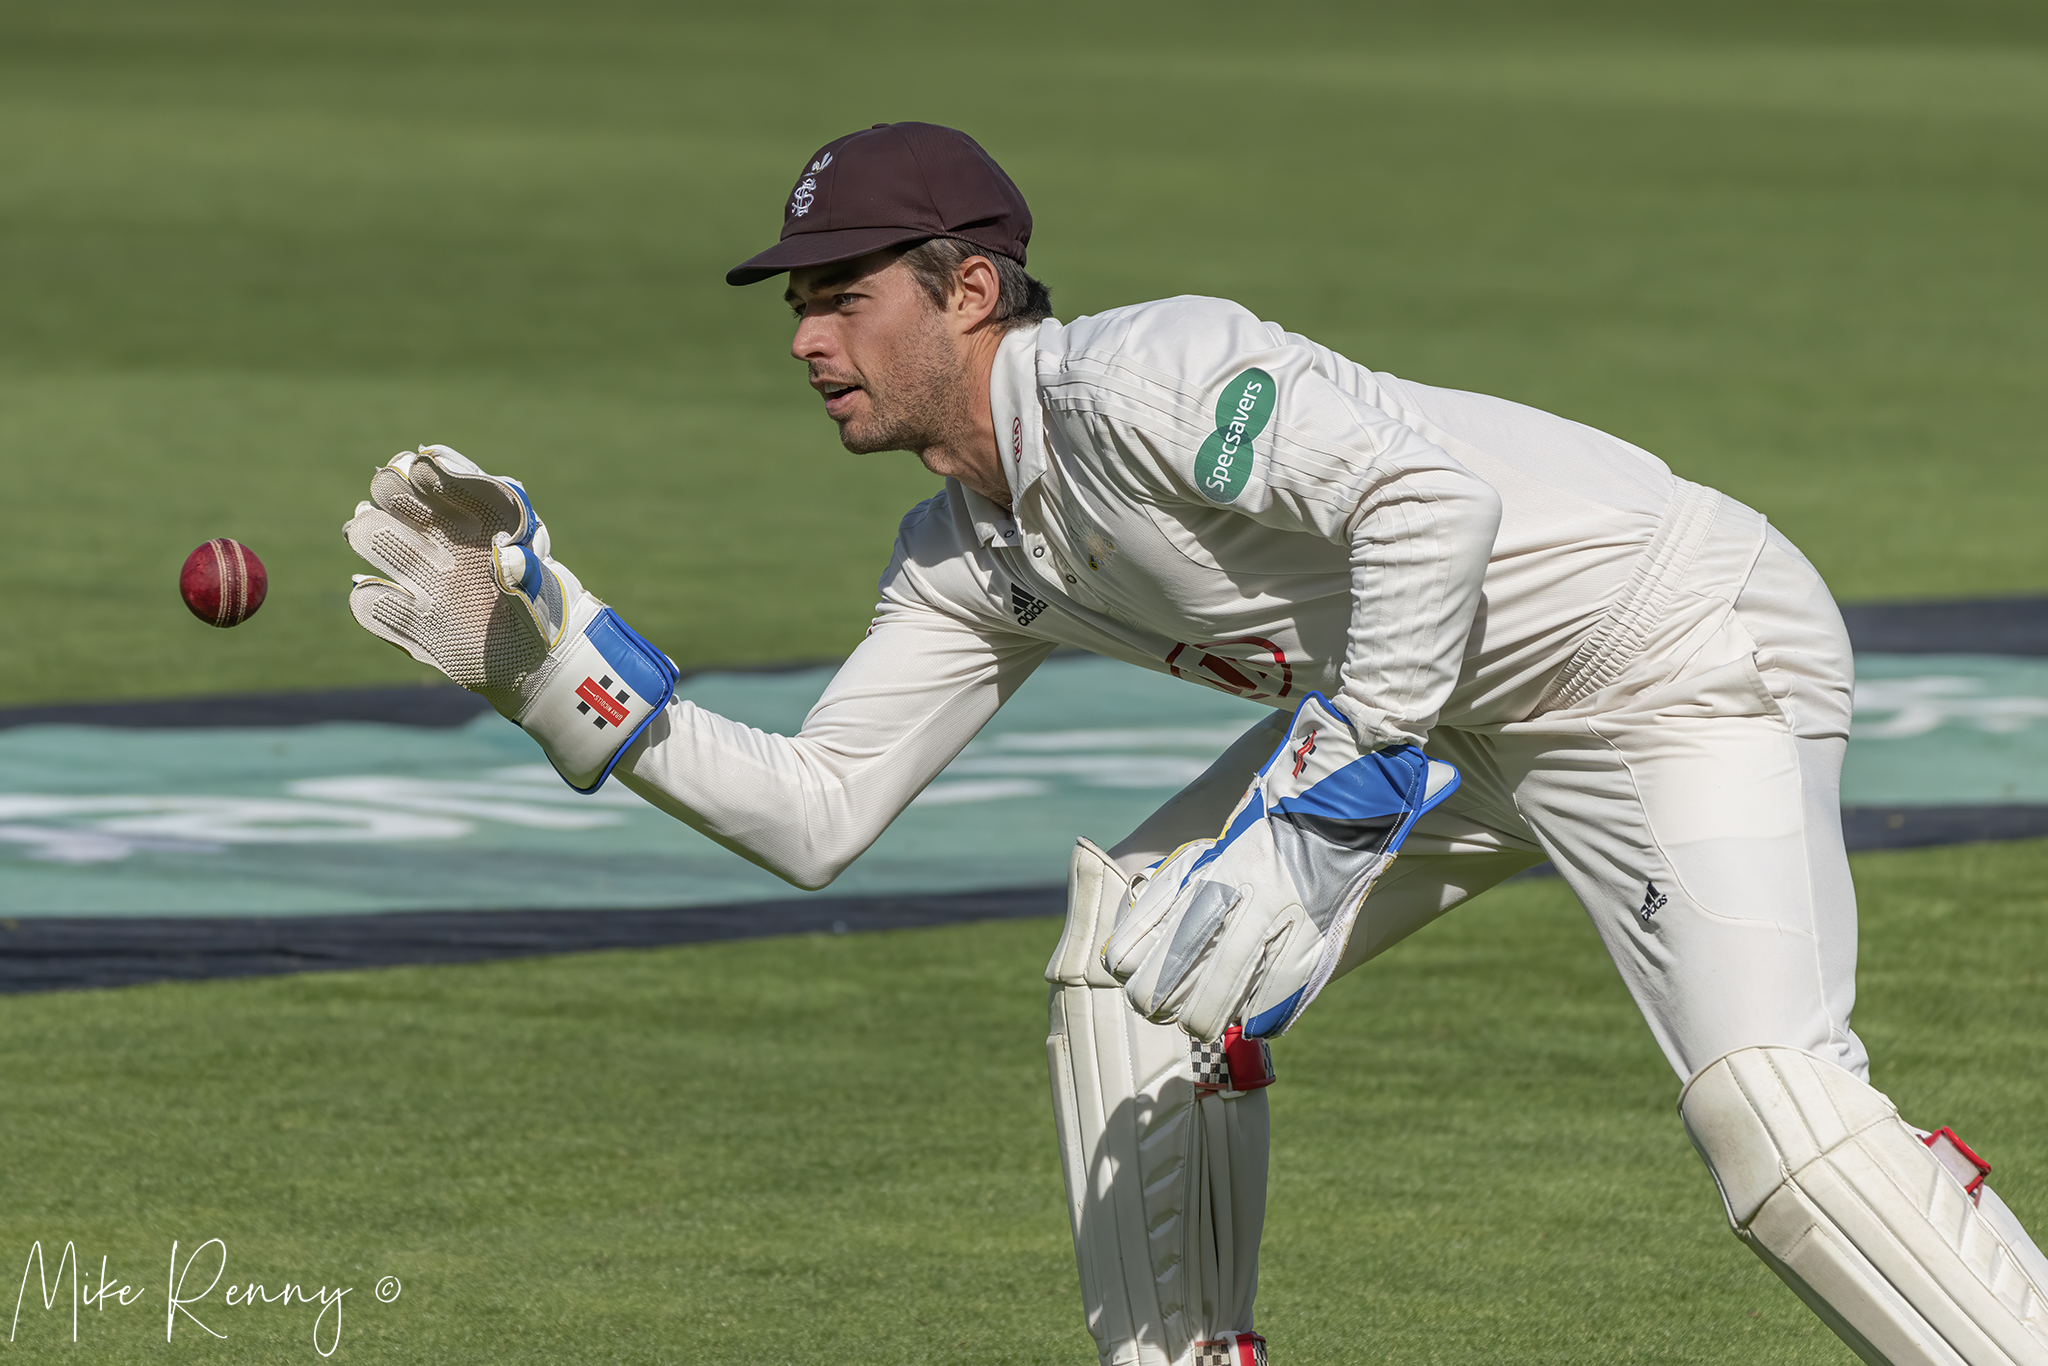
x,y
807,189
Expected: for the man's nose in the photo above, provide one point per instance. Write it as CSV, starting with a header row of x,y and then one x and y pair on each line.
x,y
813,340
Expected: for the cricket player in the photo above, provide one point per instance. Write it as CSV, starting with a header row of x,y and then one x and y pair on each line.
x,y
1488,637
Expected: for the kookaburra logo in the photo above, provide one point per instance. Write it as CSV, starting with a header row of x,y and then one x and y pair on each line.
x,y
807,188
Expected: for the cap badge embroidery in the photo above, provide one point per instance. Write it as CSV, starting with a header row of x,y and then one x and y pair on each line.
x,y
807,189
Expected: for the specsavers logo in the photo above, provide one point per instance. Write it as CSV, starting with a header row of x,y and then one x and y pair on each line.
x,y
1223,466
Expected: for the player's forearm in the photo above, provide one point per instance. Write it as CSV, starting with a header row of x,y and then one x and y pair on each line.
x,y
1418,560
805,806
755,793
802,809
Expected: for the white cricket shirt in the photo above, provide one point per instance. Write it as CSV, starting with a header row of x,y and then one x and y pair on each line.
x,y
1199,492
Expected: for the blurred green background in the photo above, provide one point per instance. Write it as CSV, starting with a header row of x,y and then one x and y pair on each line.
x,y
247,250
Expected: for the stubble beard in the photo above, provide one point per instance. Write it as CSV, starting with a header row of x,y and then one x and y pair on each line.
x,y
916,406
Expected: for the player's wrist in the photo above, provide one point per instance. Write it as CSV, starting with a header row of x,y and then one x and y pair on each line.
x,y
1373,727
603,685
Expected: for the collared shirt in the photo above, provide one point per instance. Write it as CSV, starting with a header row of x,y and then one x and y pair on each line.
x,y
1202,493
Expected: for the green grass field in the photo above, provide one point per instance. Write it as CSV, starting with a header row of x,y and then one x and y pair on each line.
x,y
247,250
840,1148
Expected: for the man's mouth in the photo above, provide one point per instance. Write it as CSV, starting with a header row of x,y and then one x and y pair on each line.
x,y
838,398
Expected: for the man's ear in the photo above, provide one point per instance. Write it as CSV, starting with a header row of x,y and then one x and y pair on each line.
x,y
975,293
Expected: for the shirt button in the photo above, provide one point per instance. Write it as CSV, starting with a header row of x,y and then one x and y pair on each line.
x,y
1072,579
1038,552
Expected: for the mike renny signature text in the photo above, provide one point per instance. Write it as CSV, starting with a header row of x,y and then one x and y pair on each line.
x,y
182,1291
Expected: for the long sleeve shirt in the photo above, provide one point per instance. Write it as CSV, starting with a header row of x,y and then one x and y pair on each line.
x,y
1202,493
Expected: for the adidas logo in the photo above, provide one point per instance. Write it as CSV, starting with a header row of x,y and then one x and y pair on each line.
x,y
1024,607
1653,902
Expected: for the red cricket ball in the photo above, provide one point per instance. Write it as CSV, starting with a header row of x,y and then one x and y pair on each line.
x,y
223,582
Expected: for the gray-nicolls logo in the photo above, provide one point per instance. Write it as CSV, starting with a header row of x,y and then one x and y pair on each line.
x,y
1653,902
806,193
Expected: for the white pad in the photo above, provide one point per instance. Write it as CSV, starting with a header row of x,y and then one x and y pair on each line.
x,y
1166,1188
1851,1209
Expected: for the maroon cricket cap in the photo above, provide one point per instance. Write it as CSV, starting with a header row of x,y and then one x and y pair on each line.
x,y
888,185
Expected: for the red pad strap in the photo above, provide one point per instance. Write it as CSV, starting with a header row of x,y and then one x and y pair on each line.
x,y
1251,1060
1233,1349
1233,1063
1954,1154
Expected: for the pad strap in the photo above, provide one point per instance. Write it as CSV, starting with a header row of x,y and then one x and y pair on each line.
x,y
1969,1170
1232,1064
1238,1349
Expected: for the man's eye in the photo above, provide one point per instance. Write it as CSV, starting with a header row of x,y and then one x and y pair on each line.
x,y
842,300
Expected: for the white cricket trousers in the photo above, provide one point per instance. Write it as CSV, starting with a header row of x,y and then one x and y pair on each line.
x,y
1683,775
1693,804
1687,787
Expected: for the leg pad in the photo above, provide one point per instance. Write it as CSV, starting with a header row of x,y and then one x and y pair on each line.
x,y
1165,1169
1850,1207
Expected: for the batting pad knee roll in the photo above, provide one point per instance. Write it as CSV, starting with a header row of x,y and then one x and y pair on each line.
x,y
1853,1210
1096,888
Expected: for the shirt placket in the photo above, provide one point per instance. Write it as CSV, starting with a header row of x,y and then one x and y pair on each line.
x,y
1050,563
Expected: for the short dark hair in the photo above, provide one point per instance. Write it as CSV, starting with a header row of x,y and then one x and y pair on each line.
x,y
1020,300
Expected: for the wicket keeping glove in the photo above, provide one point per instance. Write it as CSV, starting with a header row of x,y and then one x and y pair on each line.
x,y
1248,927
470,588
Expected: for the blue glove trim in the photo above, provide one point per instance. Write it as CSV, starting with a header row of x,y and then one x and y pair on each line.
x,y
1378,788
1275,1020
525,536
530,581
534,582
641,667
1382,782
1254,811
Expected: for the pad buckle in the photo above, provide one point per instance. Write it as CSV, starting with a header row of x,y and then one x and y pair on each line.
x,y
1955,1155
1232,1063
1235,1349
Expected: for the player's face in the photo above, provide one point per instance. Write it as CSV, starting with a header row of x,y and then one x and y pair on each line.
x,y
879,354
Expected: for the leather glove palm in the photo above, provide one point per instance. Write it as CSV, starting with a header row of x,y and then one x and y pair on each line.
x,y
468,586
